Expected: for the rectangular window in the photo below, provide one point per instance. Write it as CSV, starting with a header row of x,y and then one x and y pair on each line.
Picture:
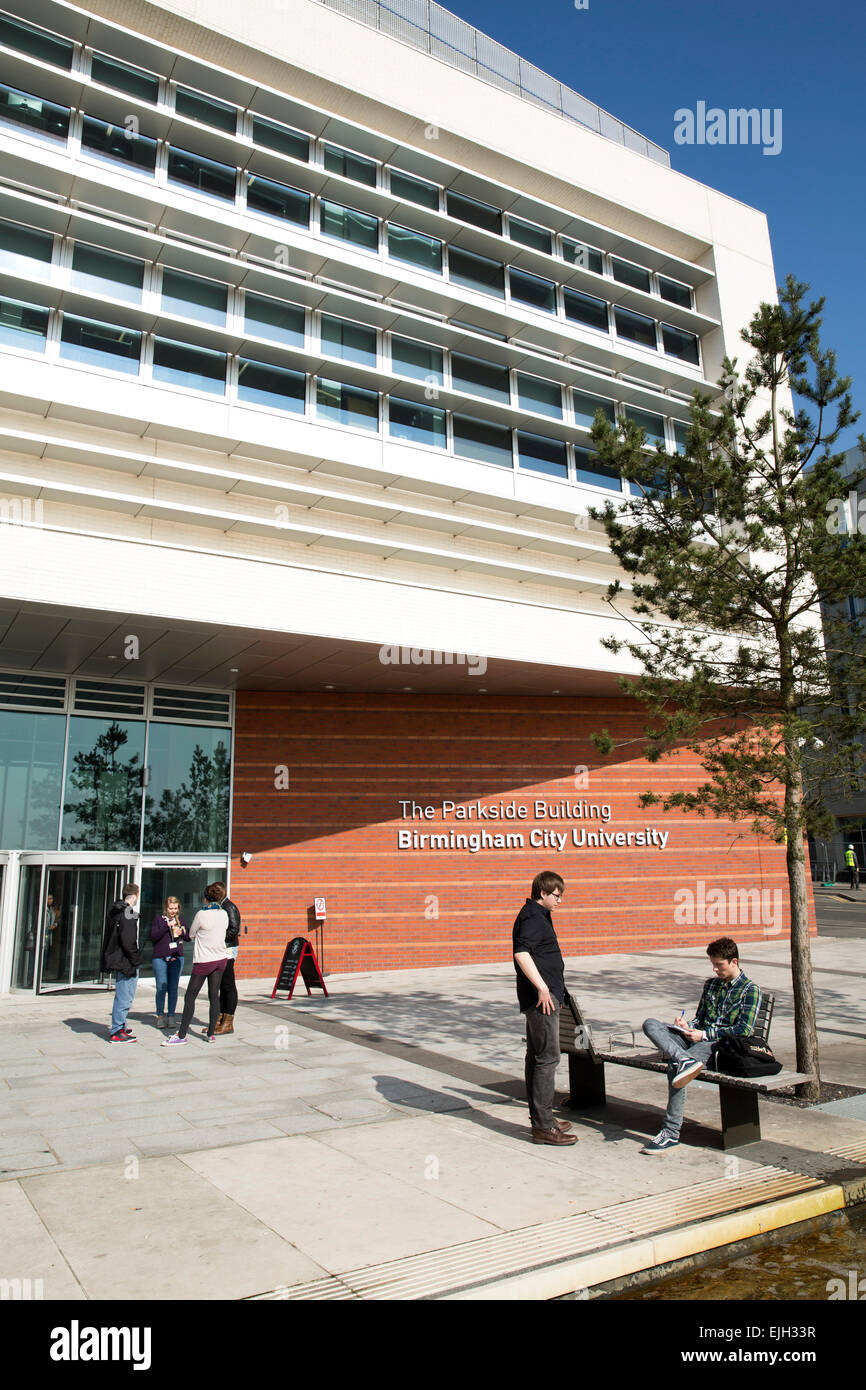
x,y
43,117
23,325
414,247
124,78
479,378
276,387
354,342
584,308
187,802
476,272
529,289
544,397
194,298
681,436
207,110
413,190
347,405
654,425
542,455
118,142
678,343
283,138
417,360
479,439
103,794
628,274
195,368
25,250
100,345
205,175
576,253
36,43
359,228
422,424
586,406
105,272
539,238
278,200
350,166
675,293
637,328
271,318
31,771
470,210
590,469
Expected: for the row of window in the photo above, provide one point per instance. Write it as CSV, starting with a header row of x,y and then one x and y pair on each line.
x,y
107,346
359,229
286,140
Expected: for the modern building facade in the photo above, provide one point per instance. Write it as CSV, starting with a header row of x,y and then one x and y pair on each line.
x,y
306,310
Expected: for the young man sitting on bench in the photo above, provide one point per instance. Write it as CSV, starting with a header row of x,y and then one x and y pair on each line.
x,y
728,1008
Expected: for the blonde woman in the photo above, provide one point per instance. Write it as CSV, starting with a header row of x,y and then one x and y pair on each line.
x,y
168,933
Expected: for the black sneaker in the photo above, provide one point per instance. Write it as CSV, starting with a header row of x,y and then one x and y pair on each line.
x,y
121,1037
686,1072
128,1033
662,1141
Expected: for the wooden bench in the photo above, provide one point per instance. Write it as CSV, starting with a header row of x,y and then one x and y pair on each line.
x,y
738,1095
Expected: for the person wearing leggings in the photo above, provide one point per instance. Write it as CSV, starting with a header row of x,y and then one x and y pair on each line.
x,y
207,932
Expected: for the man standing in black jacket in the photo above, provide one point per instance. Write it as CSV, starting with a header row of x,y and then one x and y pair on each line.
x,y
540,992
121,954
228,988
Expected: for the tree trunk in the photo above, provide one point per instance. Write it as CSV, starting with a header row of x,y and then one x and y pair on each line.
x,y
805,1028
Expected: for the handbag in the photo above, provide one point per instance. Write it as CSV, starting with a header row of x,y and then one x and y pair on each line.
x,y
745,1057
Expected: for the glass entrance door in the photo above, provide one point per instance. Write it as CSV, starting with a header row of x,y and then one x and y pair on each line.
x,y
62,911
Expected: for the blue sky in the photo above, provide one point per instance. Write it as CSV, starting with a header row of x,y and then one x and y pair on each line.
x,y
643,59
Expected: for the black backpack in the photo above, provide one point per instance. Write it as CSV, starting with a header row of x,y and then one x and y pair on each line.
x,y
745,1057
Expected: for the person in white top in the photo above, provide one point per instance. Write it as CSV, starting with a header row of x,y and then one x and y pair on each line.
x,y
207,932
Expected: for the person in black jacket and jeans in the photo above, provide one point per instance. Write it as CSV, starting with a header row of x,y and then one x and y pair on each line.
x,y
540,993
121,954
228,988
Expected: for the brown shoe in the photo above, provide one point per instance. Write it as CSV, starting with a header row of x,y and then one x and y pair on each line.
x,y
552,1136
563,1125
226,1023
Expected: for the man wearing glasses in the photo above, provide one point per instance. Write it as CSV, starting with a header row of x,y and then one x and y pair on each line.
x,y
540,992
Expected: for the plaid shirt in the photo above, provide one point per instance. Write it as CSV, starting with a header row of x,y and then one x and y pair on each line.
x,y
728,1008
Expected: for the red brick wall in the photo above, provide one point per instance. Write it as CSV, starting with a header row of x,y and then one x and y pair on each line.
x,y
333,832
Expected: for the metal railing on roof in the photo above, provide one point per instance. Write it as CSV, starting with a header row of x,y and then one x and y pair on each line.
x,y
434,30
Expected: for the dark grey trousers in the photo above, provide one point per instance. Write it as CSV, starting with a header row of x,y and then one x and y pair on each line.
x,y
542,1059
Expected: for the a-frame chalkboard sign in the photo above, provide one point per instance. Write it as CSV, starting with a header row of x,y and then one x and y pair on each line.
x,y
299,958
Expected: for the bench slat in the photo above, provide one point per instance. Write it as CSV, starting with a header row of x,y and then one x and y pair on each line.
x,y
650,1062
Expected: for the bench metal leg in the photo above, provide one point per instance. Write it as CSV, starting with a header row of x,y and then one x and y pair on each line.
x,y
741,1122
585,1081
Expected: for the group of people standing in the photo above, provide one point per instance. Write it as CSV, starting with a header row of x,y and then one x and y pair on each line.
x,y
215,934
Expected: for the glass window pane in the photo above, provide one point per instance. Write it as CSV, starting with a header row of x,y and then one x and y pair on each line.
x,y
105,272
544,397
477,272
31,770
423,424
529,289
100,345
584,308
197,107
102,797
357,227
26,38
278,200
585,407
354,342
193,297
681,436
417,360
679,343
628,274
25,250
478,439
351,166
414,247
539,238
192,367
479,378
413,190
205,175
44,117
281,137
590,469
542,455
119,142
576,253
270,318
23,325
675,293
187,802
635,327
654,425
347,405
276,387
470,210
124,78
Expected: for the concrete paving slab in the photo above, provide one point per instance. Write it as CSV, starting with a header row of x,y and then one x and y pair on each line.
x,y
19,1140
206,1137
27,1251
14,1164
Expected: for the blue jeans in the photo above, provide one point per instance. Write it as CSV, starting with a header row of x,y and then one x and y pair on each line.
x,y
167,974
676,1048
124,993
